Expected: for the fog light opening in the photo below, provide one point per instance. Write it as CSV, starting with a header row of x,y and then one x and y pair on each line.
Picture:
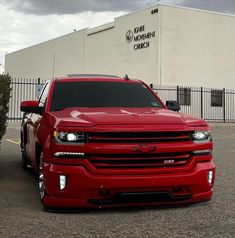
x,y
62,182
210,177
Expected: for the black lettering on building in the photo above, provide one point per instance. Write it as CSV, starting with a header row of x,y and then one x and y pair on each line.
x,y
142,45
140,37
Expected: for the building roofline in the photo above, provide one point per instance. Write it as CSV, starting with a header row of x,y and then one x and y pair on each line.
x,y
28,47
139,10
100,28
176,6
111,24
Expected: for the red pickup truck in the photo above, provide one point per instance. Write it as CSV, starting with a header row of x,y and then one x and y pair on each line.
x,y
102,141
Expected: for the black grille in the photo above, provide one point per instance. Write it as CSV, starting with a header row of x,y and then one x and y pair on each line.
x,y
112,137
164,160
146,197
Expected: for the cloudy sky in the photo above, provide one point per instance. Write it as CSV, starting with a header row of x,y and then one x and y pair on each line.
x,y
28,22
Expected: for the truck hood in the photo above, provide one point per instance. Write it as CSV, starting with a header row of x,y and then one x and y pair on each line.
x,y
73,117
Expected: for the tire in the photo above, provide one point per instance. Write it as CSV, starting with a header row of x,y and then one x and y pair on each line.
x,y
41,182
25,163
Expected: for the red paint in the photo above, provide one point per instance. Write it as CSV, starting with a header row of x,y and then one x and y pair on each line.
x,y
136,161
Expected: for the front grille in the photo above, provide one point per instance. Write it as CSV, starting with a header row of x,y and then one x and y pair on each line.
x,y
112,137
164,160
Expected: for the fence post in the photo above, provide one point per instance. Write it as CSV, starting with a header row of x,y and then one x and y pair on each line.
x,y
202,103
39,81
224,105
178,97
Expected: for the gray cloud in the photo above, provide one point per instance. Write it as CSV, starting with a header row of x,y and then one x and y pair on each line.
x,y
225,6
46,7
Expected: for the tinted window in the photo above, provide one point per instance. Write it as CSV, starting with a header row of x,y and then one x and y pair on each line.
x,y
102,94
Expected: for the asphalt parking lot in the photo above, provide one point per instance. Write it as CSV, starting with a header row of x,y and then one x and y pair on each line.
x,y
21,213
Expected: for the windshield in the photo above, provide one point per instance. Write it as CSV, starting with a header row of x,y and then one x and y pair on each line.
x,y
102,94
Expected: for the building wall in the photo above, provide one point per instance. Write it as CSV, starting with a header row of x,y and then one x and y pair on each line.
x,y
197,48
109,51
101,50
189,47
53,58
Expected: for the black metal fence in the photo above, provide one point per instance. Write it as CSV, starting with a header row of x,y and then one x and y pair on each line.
x,y
213,105
22,89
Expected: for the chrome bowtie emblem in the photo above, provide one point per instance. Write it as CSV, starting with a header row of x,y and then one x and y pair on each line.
x,y
144,148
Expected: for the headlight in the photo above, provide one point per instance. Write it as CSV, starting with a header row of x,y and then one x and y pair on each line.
x,y
69,137
201,136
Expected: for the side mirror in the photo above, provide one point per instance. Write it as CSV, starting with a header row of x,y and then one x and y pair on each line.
x,y
31,107
173,105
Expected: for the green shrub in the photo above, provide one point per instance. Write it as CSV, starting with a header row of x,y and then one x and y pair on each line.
x,y
5,90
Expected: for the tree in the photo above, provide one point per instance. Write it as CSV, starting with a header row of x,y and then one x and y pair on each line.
x,y
5,90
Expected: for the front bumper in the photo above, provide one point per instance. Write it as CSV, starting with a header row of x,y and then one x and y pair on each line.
x,y
84,189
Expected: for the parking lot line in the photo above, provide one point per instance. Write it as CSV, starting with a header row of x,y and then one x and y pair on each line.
x,y
17,142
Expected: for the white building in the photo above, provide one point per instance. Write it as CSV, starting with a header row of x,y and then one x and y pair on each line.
x,y
163,45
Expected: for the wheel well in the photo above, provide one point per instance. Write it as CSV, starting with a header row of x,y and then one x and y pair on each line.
x,y
24,136
21,140
38,151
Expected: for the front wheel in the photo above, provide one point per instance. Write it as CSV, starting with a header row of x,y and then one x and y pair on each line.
x,y
41,181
